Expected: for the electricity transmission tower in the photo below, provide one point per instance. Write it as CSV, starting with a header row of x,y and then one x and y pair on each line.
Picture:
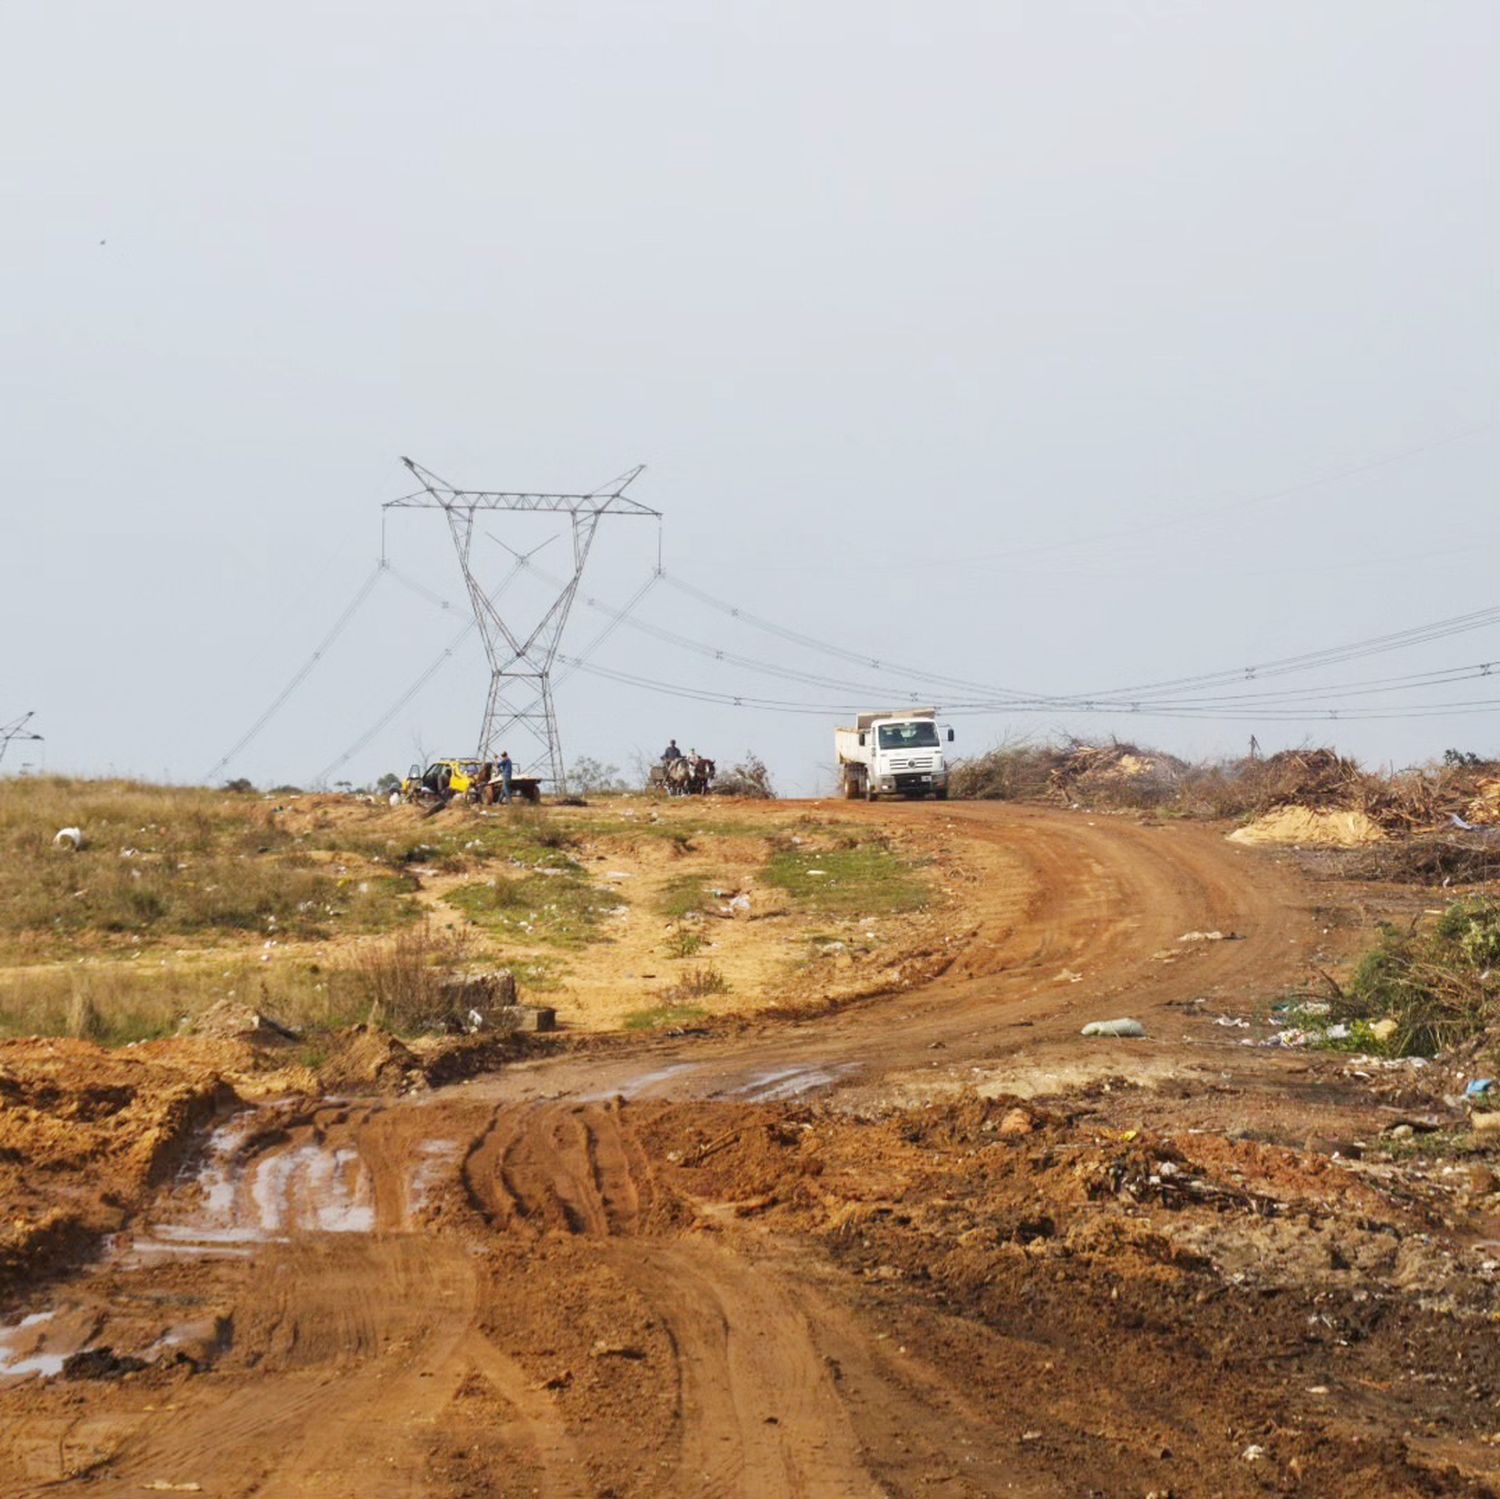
x,y
16,729
521,661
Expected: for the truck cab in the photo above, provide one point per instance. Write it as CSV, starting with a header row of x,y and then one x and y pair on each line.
x,y
894,753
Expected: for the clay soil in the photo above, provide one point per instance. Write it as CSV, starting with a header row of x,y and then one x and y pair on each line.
x,y
929,1240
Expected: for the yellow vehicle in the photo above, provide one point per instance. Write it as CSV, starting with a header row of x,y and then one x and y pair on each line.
x,y
475,781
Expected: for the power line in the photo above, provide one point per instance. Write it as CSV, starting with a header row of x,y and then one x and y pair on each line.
x,y
362,593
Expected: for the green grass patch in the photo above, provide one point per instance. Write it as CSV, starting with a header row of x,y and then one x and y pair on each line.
x,y
1438,980
563,910
457,840
865,880
682,896
683,942
661,1016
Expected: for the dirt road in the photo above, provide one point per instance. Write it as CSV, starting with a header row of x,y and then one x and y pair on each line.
x,y
809,1258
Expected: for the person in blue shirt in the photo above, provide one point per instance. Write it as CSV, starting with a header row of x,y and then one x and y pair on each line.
x,y
505,773
671,753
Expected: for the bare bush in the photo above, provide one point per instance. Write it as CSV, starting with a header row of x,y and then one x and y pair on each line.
x,y
749,778
84,1022
402,980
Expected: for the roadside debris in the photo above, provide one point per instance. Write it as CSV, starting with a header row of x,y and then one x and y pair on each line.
x,y
68,839
1121,1028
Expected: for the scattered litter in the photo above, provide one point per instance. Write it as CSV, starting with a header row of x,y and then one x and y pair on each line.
x,y
816,873
1068,976
1237,1022
68,838
1383,1030
1253,1453
1202,937
1123,1027
1301,1007
1479,1087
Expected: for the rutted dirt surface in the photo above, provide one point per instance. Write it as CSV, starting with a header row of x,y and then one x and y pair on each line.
x,y
932,1242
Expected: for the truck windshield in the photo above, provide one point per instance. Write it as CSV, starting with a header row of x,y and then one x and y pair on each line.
x,y
921,734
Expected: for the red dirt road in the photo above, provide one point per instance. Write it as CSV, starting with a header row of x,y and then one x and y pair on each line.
x,y
808,1258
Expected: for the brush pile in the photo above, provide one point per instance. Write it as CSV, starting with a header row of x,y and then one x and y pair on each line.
x,y
1120,775
749,778
1075,771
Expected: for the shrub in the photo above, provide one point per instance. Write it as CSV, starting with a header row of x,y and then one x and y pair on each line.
x,y
1439,982
402,980
749,778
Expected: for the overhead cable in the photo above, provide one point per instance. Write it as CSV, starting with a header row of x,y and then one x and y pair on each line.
x,y
362,593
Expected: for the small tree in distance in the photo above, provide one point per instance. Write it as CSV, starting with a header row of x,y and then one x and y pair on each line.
x,y
593,777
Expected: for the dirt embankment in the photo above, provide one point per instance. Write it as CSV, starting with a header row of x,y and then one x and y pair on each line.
x,y
83,1134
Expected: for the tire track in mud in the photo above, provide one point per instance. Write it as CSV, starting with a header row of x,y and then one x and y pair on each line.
x,y
568,1168
758,1408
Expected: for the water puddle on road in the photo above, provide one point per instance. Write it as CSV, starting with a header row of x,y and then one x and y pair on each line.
x,y
439,1159
42,1342
784,1083
238,1204
634,1087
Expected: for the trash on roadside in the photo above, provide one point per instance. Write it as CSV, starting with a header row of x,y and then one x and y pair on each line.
x,y
1122,1027
68,838
1383,1030
1478,1087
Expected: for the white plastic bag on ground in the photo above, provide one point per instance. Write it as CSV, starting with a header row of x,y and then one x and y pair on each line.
x,y
1132,1028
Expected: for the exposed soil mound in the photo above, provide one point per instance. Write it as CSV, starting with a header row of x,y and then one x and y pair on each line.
x,y
362,1059
83,1133
1311,827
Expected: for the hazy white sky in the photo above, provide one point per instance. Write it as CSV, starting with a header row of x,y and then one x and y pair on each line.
x,y
1051,344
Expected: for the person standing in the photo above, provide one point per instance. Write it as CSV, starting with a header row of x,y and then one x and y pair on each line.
x,y
506,769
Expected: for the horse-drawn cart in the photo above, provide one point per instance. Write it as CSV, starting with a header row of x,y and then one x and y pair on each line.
x,y
686,776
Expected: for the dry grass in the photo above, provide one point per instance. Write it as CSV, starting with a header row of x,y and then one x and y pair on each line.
x,y
401,980
163,862
120,1002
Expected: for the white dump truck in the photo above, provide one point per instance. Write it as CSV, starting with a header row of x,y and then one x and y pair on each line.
x,y
893,752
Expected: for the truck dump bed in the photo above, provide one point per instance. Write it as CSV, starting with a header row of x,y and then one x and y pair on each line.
x,y
863,721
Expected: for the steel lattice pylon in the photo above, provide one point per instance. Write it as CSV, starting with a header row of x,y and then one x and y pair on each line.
x,y
15,730
517,660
